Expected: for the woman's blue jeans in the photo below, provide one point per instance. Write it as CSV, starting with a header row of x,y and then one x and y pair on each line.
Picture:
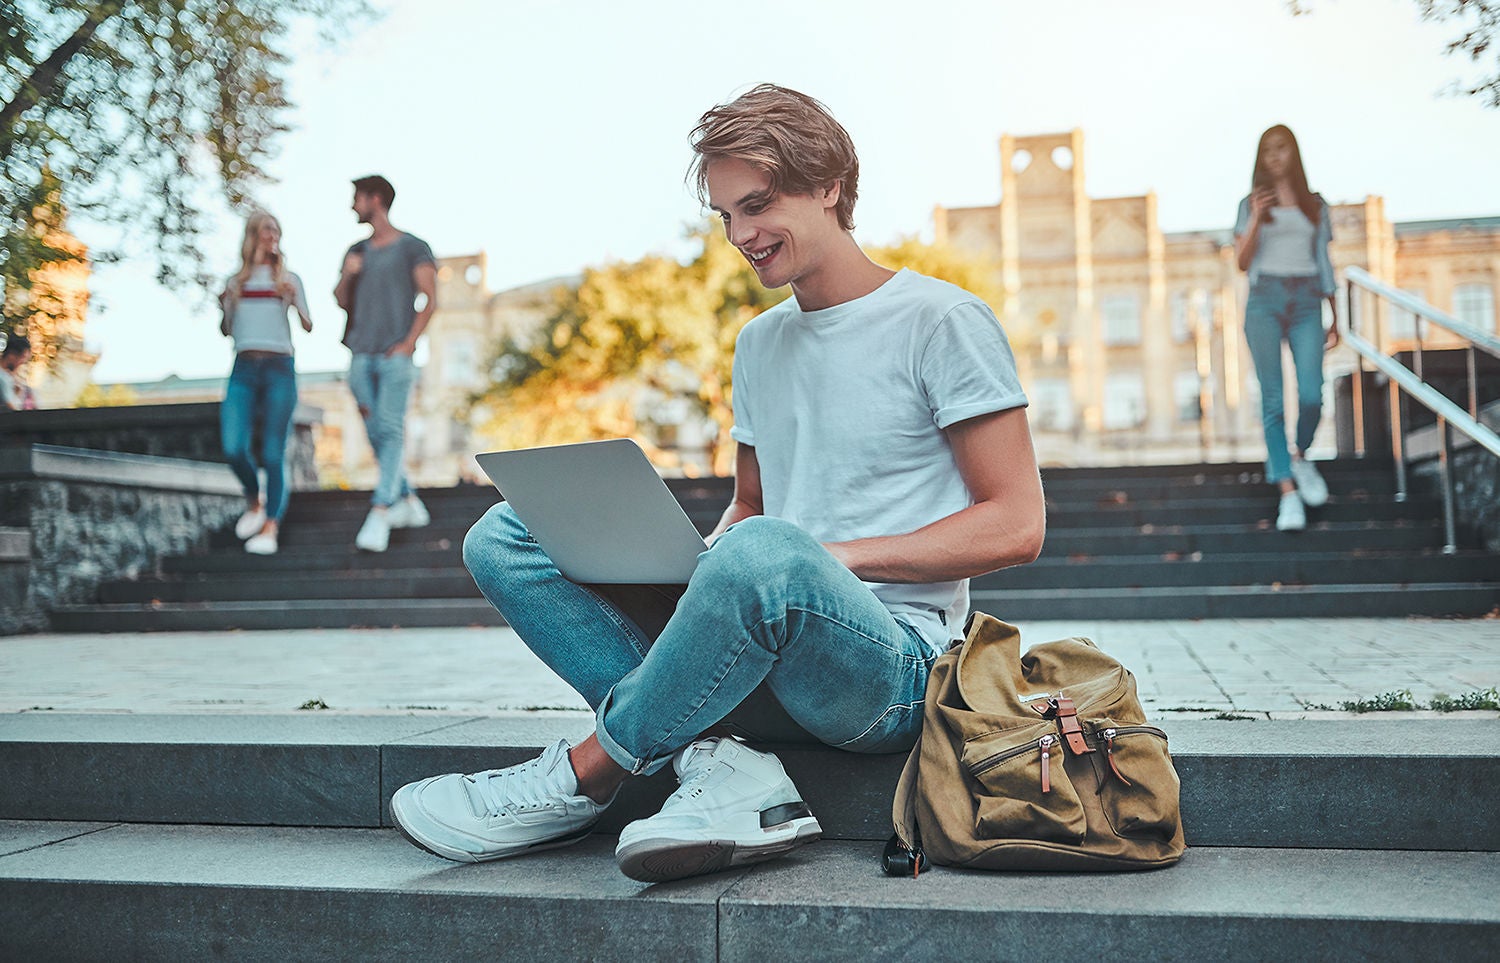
x,y
1289,309
382,385
772,635
259,401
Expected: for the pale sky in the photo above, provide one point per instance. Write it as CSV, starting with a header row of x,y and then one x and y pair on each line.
x,y
553,135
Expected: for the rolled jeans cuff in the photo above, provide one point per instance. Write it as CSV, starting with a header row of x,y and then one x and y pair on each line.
x,y
622,756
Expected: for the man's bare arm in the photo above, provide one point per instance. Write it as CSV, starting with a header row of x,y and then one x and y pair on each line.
x,y
425,278
1005,526
747,495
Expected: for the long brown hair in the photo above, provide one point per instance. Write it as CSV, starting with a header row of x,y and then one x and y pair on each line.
x,y
1310,203
247,259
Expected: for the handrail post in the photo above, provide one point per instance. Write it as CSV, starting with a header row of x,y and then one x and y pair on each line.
x,y
1445,477
1473,384
1358,396
1398,441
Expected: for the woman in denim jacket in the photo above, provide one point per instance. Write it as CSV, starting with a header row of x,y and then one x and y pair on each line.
x,y
1281,238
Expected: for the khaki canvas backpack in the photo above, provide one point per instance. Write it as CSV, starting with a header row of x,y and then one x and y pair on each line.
x,y
1042,761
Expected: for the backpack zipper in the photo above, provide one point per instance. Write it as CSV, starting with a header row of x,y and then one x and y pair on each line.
x,y
1044,745
1110,734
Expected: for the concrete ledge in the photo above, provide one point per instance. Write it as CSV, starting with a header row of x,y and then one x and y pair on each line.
x,y
1380,784
15,544
54,462
194,892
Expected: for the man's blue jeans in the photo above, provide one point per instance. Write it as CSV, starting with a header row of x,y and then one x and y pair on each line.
x,y
1289,309
260,398
382,388
772,635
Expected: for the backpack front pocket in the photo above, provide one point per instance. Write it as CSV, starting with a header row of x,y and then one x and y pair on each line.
x,y
1024,790
1140,789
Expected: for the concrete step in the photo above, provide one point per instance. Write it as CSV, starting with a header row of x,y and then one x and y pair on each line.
x,y
1361,784
1379,600
193,892
1302,568
276,613
1169,569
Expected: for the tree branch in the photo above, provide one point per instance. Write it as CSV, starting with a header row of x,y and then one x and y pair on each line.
x,y
44,78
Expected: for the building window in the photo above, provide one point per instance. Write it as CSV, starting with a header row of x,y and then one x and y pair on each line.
x,y
1051,404
1475,304
1182,330
1185,393
1124,401
1122,319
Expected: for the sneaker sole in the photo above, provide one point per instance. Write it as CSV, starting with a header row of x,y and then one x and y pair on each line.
x,y
662,859
461,856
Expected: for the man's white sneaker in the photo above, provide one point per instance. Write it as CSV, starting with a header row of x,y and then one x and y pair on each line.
x,y
499,812
375,534
1310,484
263,543
735,806
251,522
1291,517
409,512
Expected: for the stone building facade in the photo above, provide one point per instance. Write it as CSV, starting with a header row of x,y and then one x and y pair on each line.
x,y
1130,338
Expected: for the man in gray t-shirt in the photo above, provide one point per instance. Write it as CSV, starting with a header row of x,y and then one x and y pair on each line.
x,y
378,288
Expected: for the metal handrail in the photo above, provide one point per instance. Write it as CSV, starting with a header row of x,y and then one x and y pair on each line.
x,y
1410,381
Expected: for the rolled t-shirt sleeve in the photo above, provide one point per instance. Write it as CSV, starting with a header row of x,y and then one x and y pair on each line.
x,y
967,367
742,430
1242,217
420,252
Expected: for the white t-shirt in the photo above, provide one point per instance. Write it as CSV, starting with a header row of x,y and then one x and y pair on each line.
x,y
845,409
260,316
11,396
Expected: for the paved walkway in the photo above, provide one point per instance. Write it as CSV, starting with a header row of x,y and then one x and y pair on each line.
x,y
1277,667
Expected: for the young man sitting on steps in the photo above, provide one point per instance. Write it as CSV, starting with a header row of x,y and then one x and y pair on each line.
x,y
884,459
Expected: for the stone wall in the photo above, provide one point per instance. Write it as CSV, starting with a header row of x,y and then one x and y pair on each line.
x,y
98,516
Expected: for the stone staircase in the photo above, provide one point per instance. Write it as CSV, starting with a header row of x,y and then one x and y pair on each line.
x,y
1169,542
267,837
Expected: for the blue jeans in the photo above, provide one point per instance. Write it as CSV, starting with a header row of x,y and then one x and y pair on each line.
x,y
772,636
382,387
260,399
1290,309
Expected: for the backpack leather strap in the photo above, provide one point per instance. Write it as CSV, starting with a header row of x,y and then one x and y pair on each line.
x,y
1067,722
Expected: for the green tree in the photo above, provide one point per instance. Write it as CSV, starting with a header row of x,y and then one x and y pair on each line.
x,y
127,111
655,335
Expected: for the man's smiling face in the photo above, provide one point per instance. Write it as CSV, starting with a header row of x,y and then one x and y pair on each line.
x,y
783,236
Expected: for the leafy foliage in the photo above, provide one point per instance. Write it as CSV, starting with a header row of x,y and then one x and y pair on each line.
x,y
641,347
129,110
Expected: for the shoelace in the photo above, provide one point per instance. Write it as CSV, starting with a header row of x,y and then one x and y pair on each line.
x,y
689,787
495,791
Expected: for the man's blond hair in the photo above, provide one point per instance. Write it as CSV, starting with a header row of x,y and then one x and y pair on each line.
x,y
787,134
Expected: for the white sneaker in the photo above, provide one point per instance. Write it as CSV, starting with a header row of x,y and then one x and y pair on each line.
x,y
262,543
251,522
1310,484
375,534
735,806
499,812
409,512
1291,517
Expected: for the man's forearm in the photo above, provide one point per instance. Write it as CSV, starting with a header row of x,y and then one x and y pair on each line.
x,y
419,323
737,511
979,539
343,289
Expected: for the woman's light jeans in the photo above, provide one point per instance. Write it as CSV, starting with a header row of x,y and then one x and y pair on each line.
x,y
1289,309
769,620
259,400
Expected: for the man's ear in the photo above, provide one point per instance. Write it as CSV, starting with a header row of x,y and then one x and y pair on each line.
x,y
831,193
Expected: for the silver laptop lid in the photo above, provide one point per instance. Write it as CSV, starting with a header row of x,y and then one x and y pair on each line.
x,y
599,511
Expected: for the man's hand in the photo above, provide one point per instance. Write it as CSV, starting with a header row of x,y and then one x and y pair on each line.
x,y
353,264
404,346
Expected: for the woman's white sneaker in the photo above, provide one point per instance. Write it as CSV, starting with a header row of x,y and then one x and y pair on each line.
x,y
499,812
735,806
1310,484
249,523
262,544
1291,517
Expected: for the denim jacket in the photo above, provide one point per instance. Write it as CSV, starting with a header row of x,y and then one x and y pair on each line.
x,y
1321,240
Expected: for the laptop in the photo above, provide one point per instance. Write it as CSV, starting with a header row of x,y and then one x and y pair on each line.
x,y
599,510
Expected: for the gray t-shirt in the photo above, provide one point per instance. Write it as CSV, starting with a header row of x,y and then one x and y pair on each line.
x,y
385,293
845,408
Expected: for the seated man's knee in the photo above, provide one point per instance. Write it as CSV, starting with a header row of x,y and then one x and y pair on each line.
x,y
759,549
497,532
